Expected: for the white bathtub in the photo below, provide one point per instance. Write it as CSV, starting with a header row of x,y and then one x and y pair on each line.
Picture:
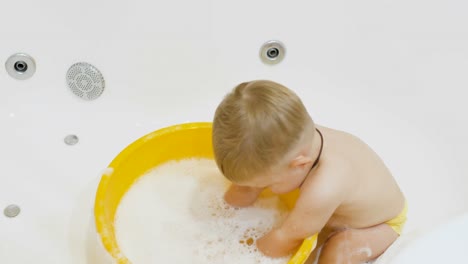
x,y
444,243
392,72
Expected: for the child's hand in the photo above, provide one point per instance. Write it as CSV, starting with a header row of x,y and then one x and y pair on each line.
x,y
266,244
241,196
276,244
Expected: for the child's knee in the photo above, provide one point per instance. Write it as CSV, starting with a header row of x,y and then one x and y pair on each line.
x,y
339,249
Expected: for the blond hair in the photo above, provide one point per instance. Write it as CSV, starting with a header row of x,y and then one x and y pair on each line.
x,y
255,126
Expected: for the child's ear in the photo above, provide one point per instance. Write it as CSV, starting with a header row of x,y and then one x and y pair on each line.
x,y
300,162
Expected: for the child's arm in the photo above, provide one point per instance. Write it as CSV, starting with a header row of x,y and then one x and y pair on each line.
x,y
310,214
242,196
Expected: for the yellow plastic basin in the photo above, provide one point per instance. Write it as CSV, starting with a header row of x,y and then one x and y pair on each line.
x,y
192,140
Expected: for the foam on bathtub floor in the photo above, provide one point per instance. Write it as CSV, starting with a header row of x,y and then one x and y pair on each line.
x,y
176,214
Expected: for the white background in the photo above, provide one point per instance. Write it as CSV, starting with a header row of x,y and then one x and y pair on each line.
x,y
392,72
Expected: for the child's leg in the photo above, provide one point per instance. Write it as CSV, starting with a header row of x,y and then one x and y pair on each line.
x,y
321,239
357,245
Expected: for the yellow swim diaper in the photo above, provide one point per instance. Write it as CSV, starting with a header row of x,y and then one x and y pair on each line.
x,y
399,221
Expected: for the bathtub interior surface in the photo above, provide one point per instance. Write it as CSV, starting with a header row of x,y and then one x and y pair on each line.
x,y
393,73
445,243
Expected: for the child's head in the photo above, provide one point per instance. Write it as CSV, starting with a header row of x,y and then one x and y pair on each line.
x,y
262,136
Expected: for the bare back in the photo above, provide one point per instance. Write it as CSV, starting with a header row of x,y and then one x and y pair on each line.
x,y
371,195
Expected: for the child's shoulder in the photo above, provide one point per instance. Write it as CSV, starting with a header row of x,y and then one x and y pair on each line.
x,y
329,181
342,150
340,135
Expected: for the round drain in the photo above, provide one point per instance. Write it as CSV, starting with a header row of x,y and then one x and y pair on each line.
x,y
12,211
85,81
20,66
71,140
272,52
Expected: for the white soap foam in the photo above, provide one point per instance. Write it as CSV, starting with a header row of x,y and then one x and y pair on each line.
x,y
176,214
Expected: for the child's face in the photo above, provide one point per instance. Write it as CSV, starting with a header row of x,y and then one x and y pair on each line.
x,y
283,180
